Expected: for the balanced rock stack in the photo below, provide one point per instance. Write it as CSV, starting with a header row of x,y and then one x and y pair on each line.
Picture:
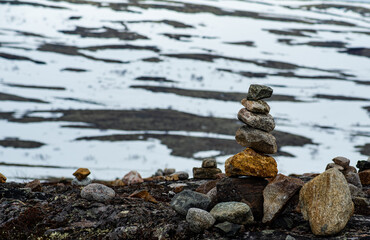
x,y
81,177
255,136
208,170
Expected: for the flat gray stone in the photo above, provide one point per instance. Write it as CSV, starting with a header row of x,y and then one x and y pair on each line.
x,y
83,182
187,199
264,122
234,212
342,161
258,140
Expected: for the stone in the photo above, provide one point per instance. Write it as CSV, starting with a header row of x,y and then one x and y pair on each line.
x,y
250,163
169,171
363,165
212,194
248,190
258,106
145,195
234,212
349,170
365,177
228,228
341,161
355,191
333,165
2,178
199,220
206,173
353,178
257,139
187,199
264,122
178,187
362,206
133,177
209,163
81,173
326,203
206,186
181,175
276,195
159,172
83,182
97,192
35,185
257,92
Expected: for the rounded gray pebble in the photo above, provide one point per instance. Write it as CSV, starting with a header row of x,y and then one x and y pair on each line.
x,y
97,192
199,220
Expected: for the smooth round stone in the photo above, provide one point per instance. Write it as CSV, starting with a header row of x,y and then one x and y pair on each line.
x,y
257,92
264,122
83,182
187,199
333,165
342,161
169,171
257,139
182,175
234,212
97,192
199,219
258,106
209,163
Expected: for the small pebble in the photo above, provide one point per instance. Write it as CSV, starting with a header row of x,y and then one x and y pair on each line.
x,y
97,192
199,220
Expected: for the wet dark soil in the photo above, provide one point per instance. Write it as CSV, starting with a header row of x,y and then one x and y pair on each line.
x,y
35,87
172,23
363,52
55,210
18,143
11,97
245,43
19,58
338,97
360,10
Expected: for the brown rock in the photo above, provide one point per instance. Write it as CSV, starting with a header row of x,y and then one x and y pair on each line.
x,y
362,206
248,190
333,165
365,177
2,178
349,170
144,194
257,92
342,161
277,193
250,163
207,186
326,203
264,122
353,178
206,173
209,163
81,173
257,139
258,106
132,177
35,185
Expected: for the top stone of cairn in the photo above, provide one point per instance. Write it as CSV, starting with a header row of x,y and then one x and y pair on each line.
x,y
257,92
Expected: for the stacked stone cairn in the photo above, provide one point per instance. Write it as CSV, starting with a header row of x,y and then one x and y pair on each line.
x,y
208,170
255,136
81,177
2,178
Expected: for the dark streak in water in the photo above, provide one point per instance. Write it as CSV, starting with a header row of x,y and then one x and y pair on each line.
x,y
73,70
154,79
17,143
20,3
35,87
19,58
11,97
337,97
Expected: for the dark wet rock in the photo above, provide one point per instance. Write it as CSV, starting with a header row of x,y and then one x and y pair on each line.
x,y
212,194
83,182
18,58
187,199
329,187
256,139
365,177
73,70
234,212
258,92
363,165
199,219
259,106
264,122
248,190
18,143
207,186
209,163
344,98
363,52
342,161
106,33
228,228
277,193
182,175
154,79
97,192
206,173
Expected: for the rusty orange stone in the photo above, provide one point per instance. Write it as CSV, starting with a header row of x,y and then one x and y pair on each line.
x,y
2,178
81,173
251,163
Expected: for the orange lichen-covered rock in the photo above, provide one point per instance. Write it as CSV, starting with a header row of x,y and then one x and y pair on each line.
x,y
250,163
81,173
2,178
